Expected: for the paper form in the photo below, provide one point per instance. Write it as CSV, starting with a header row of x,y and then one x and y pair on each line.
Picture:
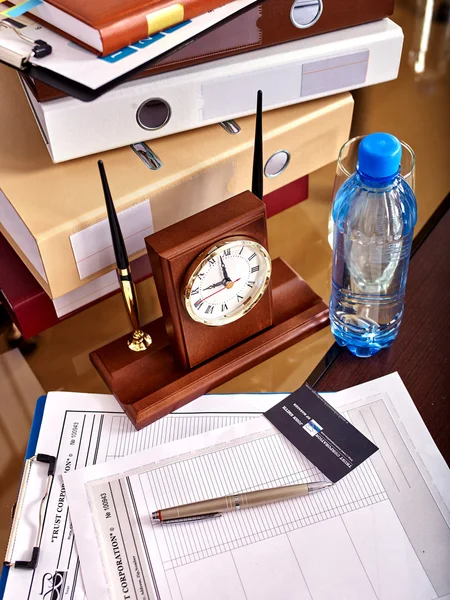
x,y
87,429
381,533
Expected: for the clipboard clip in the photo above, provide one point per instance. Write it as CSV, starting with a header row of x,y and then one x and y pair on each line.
x,y
39,49
17,512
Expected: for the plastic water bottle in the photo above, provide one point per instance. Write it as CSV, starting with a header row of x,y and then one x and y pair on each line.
x,y
374,214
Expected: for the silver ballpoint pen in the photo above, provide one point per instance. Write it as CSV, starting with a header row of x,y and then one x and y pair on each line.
x,y
206,509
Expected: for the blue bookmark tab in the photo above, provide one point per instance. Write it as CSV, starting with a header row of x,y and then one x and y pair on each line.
x,y
177,27
119,55
148,41
20,9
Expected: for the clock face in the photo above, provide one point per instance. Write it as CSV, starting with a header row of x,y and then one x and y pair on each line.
x,y
226,281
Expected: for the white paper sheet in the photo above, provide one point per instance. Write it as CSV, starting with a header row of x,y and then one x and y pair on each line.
x,y
85,67
16,228
381,533
92,246
86,429
86,293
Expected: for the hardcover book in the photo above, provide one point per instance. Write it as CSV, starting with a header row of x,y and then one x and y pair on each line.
x,y
107,26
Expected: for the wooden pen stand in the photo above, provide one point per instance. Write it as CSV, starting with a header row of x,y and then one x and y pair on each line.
x,y
150,385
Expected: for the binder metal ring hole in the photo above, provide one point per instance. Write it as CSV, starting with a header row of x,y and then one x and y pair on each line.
x,y
148,157
277,163
153,114
305,13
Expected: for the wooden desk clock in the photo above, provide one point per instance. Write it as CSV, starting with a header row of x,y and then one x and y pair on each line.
x,y
226,306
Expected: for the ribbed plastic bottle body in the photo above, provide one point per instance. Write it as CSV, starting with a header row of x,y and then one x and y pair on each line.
x,y
373,228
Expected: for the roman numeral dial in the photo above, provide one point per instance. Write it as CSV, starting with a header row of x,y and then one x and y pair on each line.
x,y
226,281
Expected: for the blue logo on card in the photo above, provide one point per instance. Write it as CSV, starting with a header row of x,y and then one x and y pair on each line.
x,y
312,427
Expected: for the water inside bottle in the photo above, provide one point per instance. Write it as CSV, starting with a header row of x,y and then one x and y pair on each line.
x,y
369,272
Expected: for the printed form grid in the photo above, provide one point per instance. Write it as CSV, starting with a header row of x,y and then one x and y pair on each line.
x,y
125,440
265,462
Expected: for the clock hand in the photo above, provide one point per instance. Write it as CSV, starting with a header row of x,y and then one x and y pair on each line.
x,y
224,269
214,285
203,299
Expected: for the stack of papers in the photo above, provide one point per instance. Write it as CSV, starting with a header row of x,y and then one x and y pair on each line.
x,y
380,533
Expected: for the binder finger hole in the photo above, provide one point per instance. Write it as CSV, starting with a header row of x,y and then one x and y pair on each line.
x,y
153,114
277,163
305,13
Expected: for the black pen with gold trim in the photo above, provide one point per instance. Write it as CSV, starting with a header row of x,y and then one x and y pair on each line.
x,y
139,340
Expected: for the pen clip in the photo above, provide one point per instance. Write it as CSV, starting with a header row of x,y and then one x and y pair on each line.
x,y
29,564
190,519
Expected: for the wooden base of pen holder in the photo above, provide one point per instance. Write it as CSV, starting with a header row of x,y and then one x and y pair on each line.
x,y
149,385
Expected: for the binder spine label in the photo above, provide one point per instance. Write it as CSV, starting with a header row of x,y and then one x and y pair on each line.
x,y
282,84
330,74
236,95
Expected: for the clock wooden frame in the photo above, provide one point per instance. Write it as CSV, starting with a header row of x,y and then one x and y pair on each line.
x,y
172,252
188,358
151,384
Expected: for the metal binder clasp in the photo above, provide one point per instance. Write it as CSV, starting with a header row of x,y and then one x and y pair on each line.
x,y
148,157
230,127
29,564
39,49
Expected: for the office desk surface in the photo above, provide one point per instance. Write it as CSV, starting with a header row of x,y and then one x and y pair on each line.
x,y
415,108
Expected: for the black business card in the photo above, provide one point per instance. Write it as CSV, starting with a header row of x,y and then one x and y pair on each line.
x,y
322,434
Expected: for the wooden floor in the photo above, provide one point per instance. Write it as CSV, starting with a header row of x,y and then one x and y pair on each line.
x,y
415,108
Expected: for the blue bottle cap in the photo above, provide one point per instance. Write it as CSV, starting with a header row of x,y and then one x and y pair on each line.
x,y
379,155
